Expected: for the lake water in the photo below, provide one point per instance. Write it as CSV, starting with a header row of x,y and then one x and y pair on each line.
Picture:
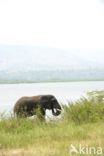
x,y
64,91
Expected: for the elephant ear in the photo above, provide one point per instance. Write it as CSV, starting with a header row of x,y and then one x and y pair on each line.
x,y
43,99
45,102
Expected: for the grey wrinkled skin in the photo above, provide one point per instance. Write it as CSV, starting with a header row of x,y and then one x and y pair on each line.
x,y
36,105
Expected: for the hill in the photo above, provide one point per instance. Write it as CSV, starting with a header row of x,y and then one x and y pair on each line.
x,y
34,64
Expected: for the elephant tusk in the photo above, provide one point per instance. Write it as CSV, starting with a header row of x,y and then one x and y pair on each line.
x,y
56,111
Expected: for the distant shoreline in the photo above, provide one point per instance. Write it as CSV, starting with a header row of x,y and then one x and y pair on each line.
x,y
56,81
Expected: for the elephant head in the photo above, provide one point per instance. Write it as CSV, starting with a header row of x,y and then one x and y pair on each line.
x,y
51,103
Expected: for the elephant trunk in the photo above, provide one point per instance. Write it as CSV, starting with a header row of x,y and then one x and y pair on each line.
x,y
56,112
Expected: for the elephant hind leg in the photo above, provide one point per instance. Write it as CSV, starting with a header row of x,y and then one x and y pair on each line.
x,y
21,115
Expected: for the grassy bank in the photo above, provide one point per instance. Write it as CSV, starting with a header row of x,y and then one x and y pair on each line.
x,y
52,139
82,123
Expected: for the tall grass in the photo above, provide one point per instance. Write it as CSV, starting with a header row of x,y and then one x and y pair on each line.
x,y
84,110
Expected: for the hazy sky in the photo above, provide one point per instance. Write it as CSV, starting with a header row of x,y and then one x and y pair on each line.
x,y
64,24
53,23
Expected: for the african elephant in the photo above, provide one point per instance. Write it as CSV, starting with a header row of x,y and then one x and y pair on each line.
x,y
28,106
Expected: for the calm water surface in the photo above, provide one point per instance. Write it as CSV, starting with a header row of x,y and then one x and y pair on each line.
x,y
64,91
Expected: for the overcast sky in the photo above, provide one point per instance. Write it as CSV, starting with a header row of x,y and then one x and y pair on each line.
x,y
64,24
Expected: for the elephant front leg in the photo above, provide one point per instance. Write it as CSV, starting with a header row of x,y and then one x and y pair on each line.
x,y
41,114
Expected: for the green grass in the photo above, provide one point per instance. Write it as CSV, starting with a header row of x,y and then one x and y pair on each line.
x,y
24,137
43,139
